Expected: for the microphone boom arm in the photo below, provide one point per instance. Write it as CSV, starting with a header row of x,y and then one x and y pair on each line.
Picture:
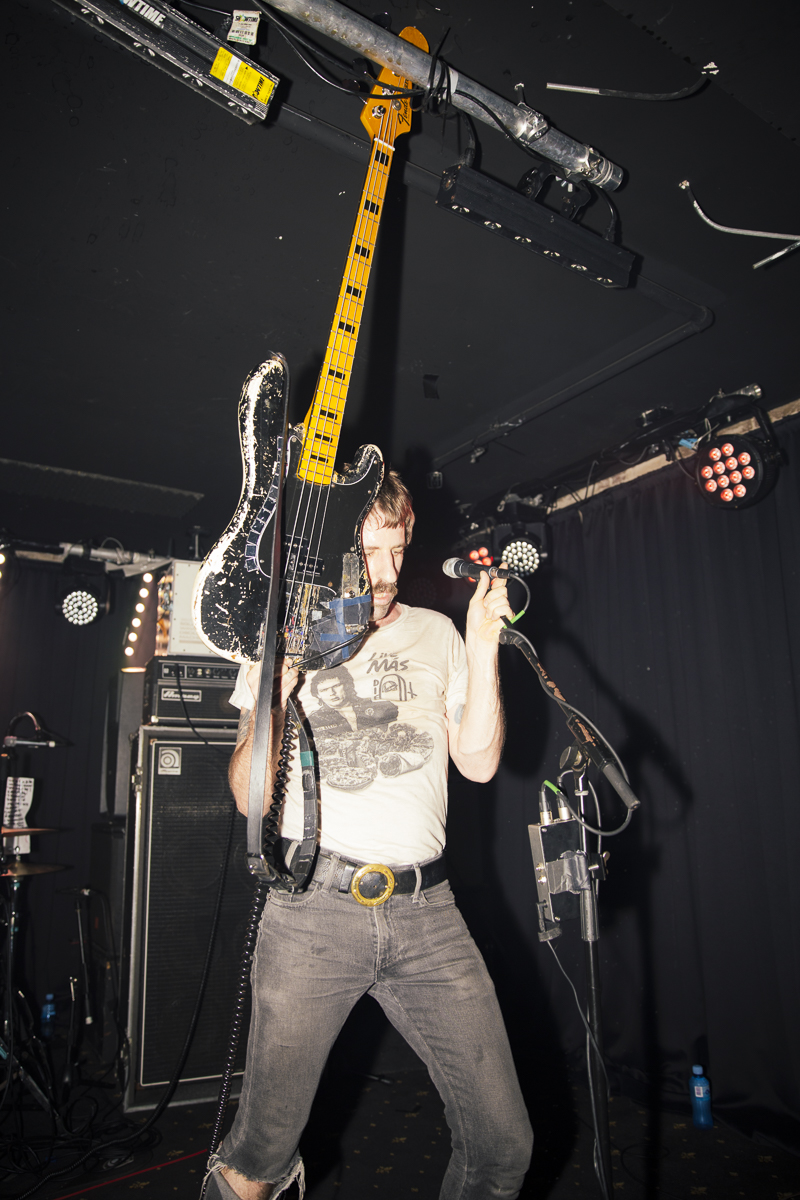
x,y
588,741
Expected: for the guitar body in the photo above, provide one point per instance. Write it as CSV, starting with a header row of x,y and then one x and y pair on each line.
x,y
326,598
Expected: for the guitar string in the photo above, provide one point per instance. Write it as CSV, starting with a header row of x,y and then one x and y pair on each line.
x,y
323,400
345,314
377,175
365,233
351,303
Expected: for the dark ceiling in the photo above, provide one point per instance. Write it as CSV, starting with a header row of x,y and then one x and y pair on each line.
x,y
157,249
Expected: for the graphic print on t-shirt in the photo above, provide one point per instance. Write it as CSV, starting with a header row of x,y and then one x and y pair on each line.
x,y
359,739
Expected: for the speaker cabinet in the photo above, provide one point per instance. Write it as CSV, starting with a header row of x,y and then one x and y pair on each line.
x,y
184,841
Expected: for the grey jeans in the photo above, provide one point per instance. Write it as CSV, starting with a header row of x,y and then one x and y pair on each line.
x,y
317,954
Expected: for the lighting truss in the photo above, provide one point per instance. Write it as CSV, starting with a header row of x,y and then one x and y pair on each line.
x,y
163,37
525,221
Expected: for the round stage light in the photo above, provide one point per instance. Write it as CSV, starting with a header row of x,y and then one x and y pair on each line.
x,y
80,607
736,471
522,556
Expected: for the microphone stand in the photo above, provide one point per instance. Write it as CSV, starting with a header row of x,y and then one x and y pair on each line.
x,y
590,933
571,871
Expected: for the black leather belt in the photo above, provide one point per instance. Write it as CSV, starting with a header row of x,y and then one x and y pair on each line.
x,y
374,883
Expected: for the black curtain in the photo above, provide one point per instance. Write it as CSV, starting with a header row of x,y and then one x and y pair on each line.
x,y
673,625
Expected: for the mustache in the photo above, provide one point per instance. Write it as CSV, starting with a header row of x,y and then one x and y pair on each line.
x,y
384,588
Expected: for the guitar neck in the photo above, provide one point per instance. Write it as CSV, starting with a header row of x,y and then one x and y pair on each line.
x,y
324,419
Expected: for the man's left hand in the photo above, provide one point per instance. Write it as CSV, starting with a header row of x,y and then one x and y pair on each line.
x,y
487,608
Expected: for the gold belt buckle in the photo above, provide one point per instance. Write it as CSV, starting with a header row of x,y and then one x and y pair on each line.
x,y
372,869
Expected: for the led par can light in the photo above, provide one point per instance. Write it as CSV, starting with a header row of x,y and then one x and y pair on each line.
x,y
736,471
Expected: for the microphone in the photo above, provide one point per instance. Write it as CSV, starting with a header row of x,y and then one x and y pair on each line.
x,y
11,741
459,568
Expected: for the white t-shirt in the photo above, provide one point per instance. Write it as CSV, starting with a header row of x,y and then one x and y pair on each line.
x,y
380,734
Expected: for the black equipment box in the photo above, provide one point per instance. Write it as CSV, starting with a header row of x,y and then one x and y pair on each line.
x,y
560,870
182,691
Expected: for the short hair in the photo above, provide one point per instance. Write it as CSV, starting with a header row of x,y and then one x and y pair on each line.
x,y
393,503
330,676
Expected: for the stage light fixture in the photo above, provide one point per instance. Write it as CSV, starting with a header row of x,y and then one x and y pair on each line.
x,y
523,545
521,555
139,638
736,471
9,567
511,214
83,603
85,599
480,554
80,607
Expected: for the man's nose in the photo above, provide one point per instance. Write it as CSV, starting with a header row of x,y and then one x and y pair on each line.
x,y
382,567
389,569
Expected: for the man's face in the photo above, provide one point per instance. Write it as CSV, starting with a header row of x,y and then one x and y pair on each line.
x,y
383,554
332,692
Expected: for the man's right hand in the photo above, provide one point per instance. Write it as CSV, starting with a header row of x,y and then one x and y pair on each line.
x,y
286,679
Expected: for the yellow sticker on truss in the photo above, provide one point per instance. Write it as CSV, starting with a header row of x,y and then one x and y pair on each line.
x,y
240,75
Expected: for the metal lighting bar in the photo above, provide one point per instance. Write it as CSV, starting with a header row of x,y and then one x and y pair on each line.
x,y
130,562
521,122
165,38
511,215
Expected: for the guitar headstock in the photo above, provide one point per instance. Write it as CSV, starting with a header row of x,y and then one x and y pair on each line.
x,y
374,113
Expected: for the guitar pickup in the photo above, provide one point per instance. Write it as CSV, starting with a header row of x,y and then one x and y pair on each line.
x,y
300,562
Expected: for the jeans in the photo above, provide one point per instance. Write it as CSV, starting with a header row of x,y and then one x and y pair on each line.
x,y
318,952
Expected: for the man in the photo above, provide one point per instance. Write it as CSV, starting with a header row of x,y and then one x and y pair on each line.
x,y
392,932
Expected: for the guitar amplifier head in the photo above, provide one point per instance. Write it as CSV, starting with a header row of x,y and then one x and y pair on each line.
x,y
180,691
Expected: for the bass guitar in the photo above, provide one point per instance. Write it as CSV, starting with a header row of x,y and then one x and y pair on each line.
x,y
325,591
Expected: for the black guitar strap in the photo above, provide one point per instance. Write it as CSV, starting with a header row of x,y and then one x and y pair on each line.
x,y
261,849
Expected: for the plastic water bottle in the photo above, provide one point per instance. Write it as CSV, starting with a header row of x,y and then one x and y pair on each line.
x,y
700,1090
48,1015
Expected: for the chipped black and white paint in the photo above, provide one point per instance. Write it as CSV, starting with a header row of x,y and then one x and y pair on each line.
x,y
323,565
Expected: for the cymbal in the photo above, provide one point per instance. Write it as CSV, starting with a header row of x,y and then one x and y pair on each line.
x,y
25,829
14,869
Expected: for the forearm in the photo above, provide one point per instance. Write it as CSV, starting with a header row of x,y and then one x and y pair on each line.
x,y
476,741
241,759
479,735
286,677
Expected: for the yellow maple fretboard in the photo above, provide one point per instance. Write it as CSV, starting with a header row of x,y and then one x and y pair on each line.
x,y
386,115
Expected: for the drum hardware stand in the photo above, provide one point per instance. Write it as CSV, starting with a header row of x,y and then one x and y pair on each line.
x,y
16,1015
80,1001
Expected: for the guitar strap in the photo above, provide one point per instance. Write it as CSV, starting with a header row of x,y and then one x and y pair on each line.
x,y
261,846
262,830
